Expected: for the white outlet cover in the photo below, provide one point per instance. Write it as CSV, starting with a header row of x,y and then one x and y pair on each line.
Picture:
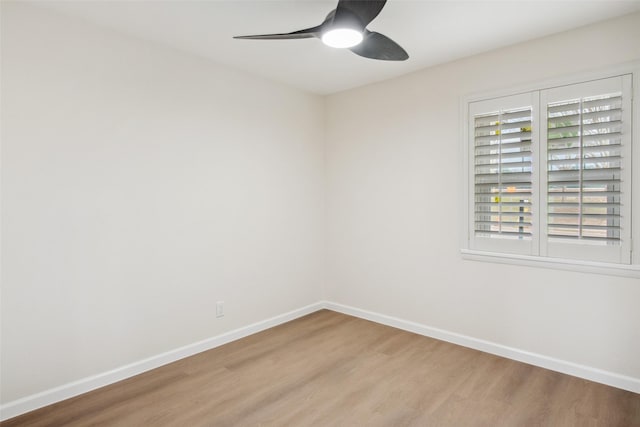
x,y
220,309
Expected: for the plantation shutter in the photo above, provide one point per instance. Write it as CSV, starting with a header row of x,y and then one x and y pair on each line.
x,y
587,143
503,174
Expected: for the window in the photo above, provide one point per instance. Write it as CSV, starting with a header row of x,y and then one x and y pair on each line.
x,y
550,172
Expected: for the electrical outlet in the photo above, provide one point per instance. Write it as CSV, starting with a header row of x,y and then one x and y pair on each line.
x,y
220,309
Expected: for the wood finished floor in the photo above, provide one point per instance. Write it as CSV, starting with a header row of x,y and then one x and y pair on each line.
x,y
329,369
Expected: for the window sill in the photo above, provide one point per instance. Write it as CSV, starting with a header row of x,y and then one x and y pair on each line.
x,y
555,263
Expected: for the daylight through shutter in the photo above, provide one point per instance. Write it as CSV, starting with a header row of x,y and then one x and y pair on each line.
x,y
503,174
584,162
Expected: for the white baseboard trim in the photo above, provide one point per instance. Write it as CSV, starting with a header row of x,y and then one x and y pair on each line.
x,y
75,388
574,369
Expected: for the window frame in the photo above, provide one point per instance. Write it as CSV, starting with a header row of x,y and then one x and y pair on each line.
x,y
471,251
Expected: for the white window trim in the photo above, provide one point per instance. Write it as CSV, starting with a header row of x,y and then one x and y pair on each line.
x,y
625,270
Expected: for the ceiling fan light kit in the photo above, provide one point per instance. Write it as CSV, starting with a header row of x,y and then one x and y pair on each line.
x,y
345,27
342,38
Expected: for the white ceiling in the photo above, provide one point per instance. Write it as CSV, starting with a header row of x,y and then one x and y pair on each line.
x,y
432,32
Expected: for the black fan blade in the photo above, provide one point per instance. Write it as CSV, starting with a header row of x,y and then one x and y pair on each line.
x,y
302,34
365,10
378,46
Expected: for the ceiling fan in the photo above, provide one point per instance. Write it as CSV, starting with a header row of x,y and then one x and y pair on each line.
x,y
345,27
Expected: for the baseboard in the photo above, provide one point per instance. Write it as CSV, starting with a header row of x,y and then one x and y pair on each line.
x,y
66,391
576,370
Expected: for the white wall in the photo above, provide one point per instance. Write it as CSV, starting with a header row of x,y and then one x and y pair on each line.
x,y
393,247
139,186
